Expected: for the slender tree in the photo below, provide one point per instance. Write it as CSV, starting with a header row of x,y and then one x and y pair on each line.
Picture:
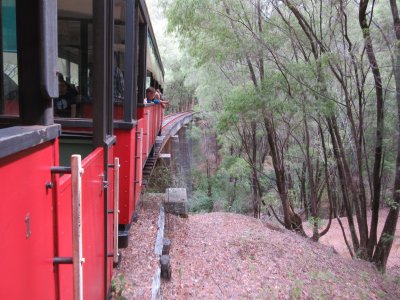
x,y
386,240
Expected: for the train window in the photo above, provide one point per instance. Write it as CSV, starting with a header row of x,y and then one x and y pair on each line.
x,y
119,58
72,69
148,79
9,105
75,62
141,60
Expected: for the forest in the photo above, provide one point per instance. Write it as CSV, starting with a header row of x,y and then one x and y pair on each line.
x,y
298,103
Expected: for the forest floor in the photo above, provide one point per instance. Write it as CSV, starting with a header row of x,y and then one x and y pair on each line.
x,y
231,256
334,238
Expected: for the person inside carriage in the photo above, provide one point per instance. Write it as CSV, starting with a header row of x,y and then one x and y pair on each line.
x,y
150,94
65,104
158,99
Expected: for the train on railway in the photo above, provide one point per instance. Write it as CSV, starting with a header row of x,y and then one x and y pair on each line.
x,y
71,168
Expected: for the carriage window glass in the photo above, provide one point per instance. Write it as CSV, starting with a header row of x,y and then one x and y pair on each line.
x,y
9,77
75,59
148,79
119,58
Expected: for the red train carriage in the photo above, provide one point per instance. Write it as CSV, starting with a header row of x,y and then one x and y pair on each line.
x,y
72,146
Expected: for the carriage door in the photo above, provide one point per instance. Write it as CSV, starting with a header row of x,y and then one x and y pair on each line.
x,y
84,110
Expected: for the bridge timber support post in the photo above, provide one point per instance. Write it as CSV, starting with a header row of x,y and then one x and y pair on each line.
x,y
185,149
175,160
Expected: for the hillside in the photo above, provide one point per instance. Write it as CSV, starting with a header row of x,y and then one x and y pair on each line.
x,y
231,256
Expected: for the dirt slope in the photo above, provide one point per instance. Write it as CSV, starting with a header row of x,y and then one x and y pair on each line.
x,y
229,256
334,238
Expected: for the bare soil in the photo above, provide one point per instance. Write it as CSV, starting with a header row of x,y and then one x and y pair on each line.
x,y
231,256
334,238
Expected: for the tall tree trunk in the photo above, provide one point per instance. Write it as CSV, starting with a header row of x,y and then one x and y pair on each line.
x,y
386,240
311,183
256,200
254,179
232,185
332,204
358,138
292,221
209,185
303,193
364,24
349,187
343,180
317,47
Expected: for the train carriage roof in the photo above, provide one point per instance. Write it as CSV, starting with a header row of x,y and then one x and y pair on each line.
x,y
154,62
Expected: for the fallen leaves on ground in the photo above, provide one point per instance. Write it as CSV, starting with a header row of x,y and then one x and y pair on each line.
x,y
231,256
139,262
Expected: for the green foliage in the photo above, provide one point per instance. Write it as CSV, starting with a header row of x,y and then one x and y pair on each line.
x,y
316,221
160,179
194,134
234,167
118,285
296,289
294,197
179,90
200,202
225,50
381,294
221,189
271,199
242,103
391,203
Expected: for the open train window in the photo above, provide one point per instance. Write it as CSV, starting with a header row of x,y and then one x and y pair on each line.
x,y
28,74
151,71
75,60
125,62
119,58
85,40
155,70
9,104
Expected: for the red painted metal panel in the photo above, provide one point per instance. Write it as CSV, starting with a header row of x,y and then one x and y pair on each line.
x,y
138,166
151,125
26,205
64,233
110,219
140,112
128,148
154,123
162,113
125,150
159,116
146,134
162,117
92,226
